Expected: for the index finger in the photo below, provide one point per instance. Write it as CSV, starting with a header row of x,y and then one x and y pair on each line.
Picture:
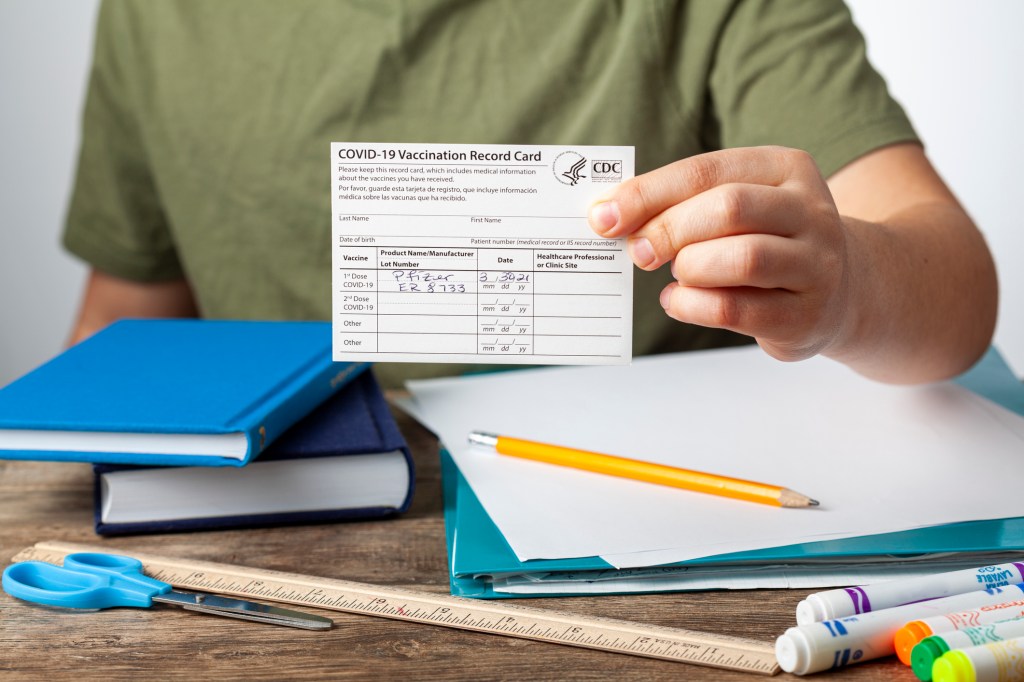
x,y
639,199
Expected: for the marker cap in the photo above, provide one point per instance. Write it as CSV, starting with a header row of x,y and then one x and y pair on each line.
x,y
954,666
813,610
907,637
924,655
793,652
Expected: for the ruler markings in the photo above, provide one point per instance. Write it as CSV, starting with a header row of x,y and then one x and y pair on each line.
x,y
591,632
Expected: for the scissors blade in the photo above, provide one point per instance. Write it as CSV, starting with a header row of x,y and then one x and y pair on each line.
x,y
244,610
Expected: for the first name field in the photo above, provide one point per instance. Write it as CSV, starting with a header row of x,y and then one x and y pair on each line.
x,y
477,254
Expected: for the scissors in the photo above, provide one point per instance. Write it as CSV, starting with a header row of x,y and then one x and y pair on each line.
x,y
91,580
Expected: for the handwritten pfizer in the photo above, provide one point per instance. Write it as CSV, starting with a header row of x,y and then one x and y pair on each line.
x,y
837,643
850,601
996,662
930,649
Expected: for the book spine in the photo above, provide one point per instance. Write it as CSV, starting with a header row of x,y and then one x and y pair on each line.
x,y
294,401
391,437
240,521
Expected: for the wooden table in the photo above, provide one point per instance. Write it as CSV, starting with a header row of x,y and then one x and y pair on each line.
x,y
40,501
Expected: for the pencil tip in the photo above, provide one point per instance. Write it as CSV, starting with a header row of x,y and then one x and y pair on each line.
x,y
480,438
790,498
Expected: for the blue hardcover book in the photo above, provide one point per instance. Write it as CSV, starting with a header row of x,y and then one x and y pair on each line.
x,y
172,392
483,565
345,460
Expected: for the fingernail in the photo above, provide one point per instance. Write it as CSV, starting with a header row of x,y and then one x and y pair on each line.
x,y
642,252
666,297
604,216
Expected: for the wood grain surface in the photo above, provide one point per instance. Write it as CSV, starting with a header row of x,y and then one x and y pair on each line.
x,y
53,501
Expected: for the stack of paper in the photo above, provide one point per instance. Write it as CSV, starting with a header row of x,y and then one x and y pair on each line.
x,y
881,459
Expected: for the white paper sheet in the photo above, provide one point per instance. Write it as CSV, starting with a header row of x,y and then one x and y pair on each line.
x,y
769,575
879,458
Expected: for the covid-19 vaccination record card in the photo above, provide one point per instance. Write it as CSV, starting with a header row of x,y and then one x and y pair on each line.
x,y
477,253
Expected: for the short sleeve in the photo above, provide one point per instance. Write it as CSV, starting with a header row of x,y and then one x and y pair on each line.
x,y
115,221
795,73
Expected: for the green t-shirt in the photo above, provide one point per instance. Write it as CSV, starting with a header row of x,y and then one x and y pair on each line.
x,y
207,124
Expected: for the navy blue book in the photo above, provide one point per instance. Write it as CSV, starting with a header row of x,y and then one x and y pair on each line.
x,y
345,460
172,392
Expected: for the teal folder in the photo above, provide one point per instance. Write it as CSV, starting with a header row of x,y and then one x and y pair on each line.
x,y
477,550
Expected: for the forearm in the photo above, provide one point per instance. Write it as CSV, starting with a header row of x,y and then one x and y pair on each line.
x,y
108,299
922,295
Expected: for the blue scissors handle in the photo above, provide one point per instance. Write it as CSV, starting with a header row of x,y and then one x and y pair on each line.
x,y
86,581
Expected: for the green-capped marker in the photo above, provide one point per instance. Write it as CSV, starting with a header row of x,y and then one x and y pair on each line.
x,y
924,654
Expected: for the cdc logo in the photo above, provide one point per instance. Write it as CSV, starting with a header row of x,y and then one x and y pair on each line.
x,y
605,170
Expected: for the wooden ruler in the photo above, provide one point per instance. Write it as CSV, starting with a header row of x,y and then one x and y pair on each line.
x,y
492,617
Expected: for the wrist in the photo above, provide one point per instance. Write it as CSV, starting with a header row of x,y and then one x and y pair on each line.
x,y
860,298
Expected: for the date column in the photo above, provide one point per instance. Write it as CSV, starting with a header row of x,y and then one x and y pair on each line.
x,y
505,302
355,297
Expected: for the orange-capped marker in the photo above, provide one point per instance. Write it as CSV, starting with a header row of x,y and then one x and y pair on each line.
x,y
915,631
908,636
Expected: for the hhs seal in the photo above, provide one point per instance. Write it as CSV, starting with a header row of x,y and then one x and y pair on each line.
x,y
568,167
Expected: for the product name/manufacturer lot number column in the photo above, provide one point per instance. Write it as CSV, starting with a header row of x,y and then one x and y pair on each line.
x,y
427,300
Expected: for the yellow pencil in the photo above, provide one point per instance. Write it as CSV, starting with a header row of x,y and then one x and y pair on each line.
x,y
643,471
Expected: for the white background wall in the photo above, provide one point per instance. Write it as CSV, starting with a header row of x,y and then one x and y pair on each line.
x,y
955,66
45,48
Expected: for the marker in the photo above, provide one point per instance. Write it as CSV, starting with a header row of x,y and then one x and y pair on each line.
x,y
996,662
853,600
930,649
908,636
643,471
854,639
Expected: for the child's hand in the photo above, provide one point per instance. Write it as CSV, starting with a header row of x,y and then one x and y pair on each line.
x,y
754,239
